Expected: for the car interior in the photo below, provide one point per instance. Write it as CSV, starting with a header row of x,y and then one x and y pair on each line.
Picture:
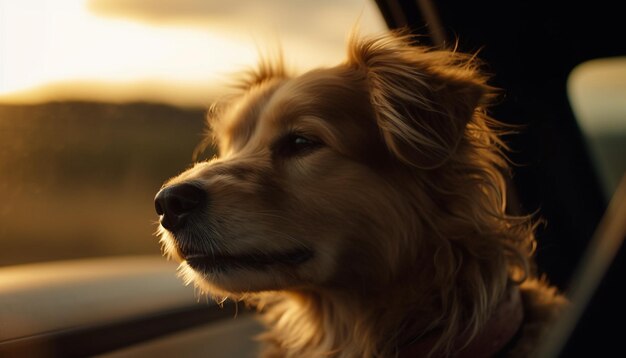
x,y
102,101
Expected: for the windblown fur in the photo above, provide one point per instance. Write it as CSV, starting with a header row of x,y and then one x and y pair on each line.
x,y
387,175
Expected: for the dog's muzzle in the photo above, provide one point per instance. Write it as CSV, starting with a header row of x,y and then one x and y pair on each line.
x,y
175,203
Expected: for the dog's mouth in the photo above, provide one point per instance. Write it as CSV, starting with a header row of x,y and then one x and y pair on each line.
x,y
220,263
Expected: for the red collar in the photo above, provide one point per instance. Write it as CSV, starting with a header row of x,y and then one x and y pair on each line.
x,y
494,336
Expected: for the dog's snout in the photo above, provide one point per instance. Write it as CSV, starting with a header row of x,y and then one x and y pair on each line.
x,y
176,202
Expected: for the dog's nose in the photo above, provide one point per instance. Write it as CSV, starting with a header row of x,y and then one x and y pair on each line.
x,y
176,202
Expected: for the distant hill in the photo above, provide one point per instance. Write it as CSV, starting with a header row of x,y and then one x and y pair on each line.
x,y
82,141
77,178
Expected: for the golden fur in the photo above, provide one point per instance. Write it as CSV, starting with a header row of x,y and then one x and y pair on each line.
x,y
389,172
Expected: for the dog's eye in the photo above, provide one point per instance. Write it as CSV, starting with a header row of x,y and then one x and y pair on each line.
x,y
295,145
301,141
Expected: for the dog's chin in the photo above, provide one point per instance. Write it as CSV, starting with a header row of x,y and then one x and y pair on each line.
x,y
248,271
244,273
216,263
226,276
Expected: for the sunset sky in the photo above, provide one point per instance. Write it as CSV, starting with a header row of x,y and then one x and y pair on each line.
x,y
177,51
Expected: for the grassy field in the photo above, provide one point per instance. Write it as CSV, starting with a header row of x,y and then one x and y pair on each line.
x,y
78,179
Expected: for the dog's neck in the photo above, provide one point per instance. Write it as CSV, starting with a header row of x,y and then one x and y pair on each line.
x,y
349,328
496,334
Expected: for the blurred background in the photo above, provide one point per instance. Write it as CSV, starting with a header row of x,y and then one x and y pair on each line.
x,y
101,101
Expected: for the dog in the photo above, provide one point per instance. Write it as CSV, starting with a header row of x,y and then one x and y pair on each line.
x,y
361,209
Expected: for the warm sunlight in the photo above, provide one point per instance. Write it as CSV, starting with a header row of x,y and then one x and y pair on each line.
x,y
172,51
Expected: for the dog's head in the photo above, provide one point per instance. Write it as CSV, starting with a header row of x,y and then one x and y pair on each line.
x,y
344,177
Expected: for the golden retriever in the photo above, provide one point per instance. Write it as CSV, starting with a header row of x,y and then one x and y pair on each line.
x,y
361,209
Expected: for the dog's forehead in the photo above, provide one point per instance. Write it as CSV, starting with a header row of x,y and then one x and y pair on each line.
x,y
329,93
235,125
333,95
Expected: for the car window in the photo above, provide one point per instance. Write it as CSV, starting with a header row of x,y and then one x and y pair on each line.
x,y
103,100
597,91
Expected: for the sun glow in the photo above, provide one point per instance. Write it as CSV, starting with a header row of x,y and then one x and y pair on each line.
x,y
113,50
61,44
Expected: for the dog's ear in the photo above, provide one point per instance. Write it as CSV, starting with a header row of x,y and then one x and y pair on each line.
x,y
423,98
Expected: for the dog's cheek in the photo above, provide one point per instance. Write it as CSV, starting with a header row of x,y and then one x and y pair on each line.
x,y
343,209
